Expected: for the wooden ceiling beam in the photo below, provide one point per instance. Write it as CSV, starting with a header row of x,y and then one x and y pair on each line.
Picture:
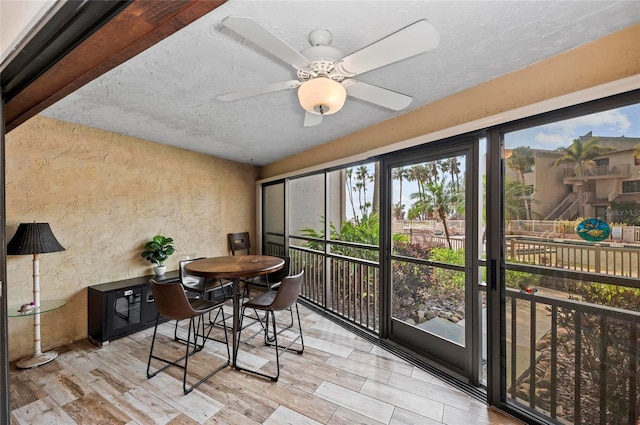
x,y
139,26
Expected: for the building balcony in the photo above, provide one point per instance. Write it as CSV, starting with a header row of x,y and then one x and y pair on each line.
x,y
599,172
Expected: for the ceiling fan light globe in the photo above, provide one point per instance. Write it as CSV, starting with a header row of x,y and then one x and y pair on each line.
x,y
322,96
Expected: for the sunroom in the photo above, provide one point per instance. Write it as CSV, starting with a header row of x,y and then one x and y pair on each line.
x,y
443,234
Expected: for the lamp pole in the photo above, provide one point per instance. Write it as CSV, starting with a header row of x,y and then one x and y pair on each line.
x,y
36,301
38,358
35,239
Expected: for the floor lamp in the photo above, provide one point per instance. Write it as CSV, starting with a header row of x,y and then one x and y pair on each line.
x,y
35,238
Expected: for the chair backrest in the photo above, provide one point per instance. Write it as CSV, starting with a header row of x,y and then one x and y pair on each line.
x,y
190,281
278,275
171,301
239,242
288,292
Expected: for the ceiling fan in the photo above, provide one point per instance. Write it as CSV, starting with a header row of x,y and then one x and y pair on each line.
x,y
325,74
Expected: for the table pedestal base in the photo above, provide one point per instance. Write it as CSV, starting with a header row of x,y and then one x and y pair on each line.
x,y
36,360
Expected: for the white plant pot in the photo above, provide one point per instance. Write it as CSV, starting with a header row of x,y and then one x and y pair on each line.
x,y
159,270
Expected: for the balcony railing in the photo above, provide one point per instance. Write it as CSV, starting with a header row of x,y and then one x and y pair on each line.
x,y
578,363
606,258
571,361
598,171
353,288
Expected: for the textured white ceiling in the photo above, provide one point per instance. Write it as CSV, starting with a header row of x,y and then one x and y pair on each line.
x,y
167,93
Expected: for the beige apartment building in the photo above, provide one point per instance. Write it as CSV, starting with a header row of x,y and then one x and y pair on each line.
x,y
608,189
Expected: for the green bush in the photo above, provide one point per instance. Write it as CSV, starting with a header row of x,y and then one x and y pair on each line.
x,y
449,280
411,282
618,353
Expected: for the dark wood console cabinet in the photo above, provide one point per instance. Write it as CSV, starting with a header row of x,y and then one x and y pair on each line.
x,y
117,309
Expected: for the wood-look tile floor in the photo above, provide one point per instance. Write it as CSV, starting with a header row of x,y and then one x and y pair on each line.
x,y
340,379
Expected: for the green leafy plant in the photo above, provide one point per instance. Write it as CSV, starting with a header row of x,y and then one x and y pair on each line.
x,y
615,357
366,231
158,249
449,281
350,286
412,283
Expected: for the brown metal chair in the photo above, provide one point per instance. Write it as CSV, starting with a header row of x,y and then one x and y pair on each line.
x,y
284,298
200,285
172,302
272,280
239,242
269,282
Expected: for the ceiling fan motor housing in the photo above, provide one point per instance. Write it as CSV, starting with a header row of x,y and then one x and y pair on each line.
x,y
320,68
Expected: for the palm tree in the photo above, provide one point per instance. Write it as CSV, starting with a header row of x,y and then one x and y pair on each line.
x,y
442,197
437,194
348,178
513,193
521,160
636,152
375,207
416,174
399,174
412,175
452,165
362,178
583,155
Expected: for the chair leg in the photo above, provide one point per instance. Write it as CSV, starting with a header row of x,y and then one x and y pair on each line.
x,y
265,326
205,338
291,314
288,347
241,326
245,294
153,342
299,328
196,330
184,341
175,332
152,356
223,319
237,346
273,341
289,326
186,357
275,338
226,337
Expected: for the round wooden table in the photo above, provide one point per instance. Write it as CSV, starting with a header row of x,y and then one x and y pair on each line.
x,y
235,267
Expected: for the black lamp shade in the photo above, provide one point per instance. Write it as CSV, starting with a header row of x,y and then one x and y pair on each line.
x,y
33,238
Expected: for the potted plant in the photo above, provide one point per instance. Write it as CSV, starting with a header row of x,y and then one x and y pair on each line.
x,y
157,251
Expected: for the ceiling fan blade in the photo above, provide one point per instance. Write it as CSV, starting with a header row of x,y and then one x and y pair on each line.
x,y
251,30
312,119
255,91
378,95
409,41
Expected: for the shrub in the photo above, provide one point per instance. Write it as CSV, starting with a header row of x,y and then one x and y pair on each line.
x,y
617,356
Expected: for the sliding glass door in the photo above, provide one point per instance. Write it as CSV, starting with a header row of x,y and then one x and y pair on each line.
x,y
435,302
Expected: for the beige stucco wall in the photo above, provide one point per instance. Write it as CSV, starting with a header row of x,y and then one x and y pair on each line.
x,y
608,59
548,182
104,195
